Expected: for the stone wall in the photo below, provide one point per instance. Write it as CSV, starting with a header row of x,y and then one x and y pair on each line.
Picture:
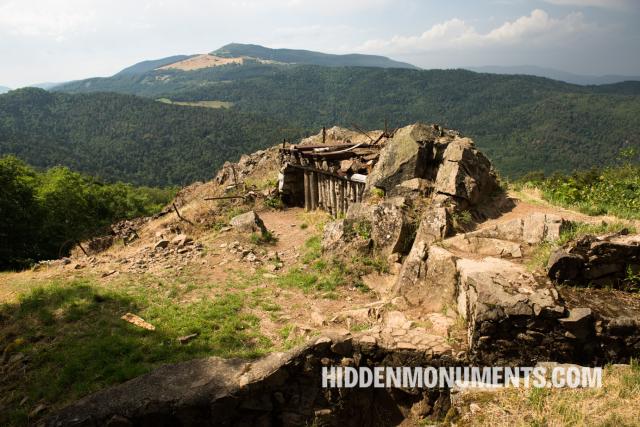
x,y
280,389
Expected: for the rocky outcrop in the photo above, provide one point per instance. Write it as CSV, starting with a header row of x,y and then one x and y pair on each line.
x,y
429,285
465,173
510,315
383,227
431,160
612,260
532,229
280,389
406,156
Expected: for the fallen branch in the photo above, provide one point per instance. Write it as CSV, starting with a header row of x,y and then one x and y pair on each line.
x,y
224,197
138,321
180,216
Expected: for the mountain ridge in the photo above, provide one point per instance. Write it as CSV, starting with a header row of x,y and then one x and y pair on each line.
x,y
554,74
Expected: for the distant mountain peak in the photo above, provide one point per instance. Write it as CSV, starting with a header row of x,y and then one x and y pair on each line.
x,y
551,73
307,57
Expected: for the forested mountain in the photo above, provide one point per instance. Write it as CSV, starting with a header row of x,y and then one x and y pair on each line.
x,y
524,123
308,57
128,138
550,73
146,66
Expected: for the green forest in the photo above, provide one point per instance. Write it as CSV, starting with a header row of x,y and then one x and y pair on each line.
x,y
127,138
612,190
522,122
44,211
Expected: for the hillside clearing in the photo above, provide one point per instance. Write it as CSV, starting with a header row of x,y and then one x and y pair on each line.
x,y
205,104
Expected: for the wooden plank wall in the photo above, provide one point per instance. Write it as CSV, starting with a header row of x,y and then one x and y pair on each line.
x,y
329,192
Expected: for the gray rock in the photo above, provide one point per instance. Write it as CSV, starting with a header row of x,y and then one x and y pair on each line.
x,y
465,172
579,322
403,158
563,266
248,222
161,244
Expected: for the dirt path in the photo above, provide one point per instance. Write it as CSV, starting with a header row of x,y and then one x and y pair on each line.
x,y
530,201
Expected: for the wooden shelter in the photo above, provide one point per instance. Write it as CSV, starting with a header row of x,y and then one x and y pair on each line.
x,y
326,176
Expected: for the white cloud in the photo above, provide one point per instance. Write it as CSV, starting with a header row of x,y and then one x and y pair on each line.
x,y
536,28
43,18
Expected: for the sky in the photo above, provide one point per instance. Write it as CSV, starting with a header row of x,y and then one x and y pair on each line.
x,y
62,40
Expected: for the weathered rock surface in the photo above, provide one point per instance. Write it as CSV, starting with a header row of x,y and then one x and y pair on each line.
x,y
390,229
248,222
533,229
428,278
510,315
405,157
465,173
601,261
484,246
282,389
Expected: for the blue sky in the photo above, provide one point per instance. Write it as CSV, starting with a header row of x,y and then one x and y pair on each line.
x,y
59,40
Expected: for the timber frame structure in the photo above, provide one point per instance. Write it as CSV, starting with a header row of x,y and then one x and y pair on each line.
x,y
328,177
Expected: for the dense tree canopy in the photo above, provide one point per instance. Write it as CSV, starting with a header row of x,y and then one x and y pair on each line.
x,y
41,211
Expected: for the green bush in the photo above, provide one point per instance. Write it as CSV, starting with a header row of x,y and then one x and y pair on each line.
x,y
43,211
608,191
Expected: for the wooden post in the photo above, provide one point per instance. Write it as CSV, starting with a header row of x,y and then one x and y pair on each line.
x,y
324,134
332,194
319,180
341,196
175,208
314,191
307,192
361,191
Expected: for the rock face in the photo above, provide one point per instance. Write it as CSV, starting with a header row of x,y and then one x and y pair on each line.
x,y
601,261
405,157
390,228
383,227
248,222
532,229
280,389
510,315
429,159
432,285
465,173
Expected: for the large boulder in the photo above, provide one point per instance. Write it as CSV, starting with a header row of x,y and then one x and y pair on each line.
x,y
510,315
248,222
405,157
600,261
465,173
385,224
390,229
533,229
484,246
429,278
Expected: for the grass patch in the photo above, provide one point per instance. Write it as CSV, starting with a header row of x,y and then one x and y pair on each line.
x,y
609,191
312,250
75,342
264,238
202,104
615,404
576,230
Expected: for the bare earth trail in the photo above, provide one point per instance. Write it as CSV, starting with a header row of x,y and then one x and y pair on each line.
x,y
348,307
